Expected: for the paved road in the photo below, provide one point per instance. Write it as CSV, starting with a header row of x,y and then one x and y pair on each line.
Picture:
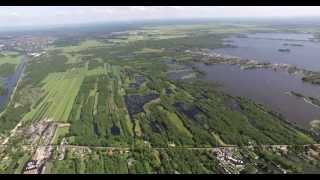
x,y
190,148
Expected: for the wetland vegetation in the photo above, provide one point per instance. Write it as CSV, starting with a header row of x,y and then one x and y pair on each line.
x,y
118,110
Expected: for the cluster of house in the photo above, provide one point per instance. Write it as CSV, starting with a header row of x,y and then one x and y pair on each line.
x,y
25,43
31,167
37,164
34,54
43,132
1,47
225,156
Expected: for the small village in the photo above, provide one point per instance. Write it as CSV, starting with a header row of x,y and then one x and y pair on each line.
x,y
41,136
25,43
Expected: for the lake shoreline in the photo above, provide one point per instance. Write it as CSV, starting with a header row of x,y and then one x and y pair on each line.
x,y
263,81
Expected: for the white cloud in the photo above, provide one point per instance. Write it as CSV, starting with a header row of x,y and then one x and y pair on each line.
x,y
13,16
138,8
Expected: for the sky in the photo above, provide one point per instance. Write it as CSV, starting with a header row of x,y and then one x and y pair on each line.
x,y
41,15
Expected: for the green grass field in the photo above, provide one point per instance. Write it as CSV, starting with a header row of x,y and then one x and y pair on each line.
x,y
9,58
60,132
60,90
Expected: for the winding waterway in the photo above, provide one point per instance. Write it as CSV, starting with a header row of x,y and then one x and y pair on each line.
x,y
10,82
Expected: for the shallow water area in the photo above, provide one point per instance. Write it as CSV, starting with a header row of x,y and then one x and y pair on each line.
x,y
269,88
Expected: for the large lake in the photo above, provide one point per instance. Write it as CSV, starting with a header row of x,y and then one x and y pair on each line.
x,y
264,47
266,86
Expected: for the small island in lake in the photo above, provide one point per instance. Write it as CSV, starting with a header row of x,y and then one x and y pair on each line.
x,y
293,44
284,50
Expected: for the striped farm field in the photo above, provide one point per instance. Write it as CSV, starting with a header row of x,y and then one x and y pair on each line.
x,y
60,90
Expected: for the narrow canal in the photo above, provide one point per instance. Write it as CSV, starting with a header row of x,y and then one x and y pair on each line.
x,y
10,82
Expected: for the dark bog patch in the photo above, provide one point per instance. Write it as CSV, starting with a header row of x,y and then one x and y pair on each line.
x,y
157,126
154,127
115,130
233,105
168,91
139,81
133,85
95,129
189,111
252,121
135,103
171,61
